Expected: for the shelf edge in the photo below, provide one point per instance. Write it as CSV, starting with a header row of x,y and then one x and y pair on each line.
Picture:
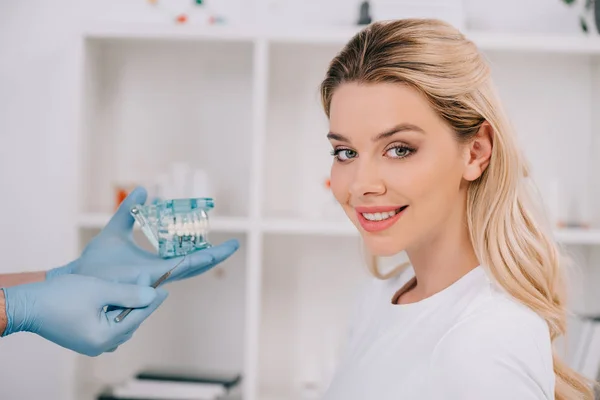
x,y
219,223
324,35
327,228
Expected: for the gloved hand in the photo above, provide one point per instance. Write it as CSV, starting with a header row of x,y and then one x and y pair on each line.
x,y
69,311
113,255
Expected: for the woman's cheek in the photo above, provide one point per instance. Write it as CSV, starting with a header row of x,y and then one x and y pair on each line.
x,y
339,185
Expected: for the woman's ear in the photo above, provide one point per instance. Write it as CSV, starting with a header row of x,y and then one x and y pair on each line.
x,y
479,151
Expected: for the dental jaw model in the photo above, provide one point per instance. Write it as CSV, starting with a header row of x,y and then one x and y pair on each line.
x,y
175,227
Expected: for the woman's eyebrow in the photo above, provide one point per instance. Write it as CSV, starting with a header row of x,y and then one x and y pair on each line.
x,y
380,136
397,129
338,137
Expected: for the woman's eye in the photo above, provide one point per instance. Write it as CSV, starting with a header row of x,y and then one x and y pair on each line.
x,y
344,154
399,152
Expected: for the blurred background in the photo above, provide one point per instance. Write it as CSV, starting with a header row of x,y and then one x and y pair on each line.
x,y
220,98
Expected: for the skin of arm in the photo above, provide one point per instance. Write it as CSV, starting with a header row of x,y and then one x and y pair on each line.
x,y
21,278
3,319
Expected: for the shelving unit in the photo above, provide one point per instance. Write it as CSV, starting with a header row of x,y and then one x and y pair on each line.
x,y
243,103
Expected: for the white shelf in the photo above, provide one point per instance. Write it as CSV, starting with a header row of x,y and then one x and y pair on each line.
x,y
300,227
574,44
166,32
344,228
550,43
218,224
321,228
578,236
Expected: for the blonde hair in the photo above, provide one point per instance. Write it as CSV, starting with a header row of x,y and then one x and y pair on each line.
x,y
508,236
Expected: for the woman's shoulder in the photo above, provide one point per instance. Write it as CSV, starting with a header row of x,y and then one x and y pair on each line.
x,y
498,340
497,307
500,319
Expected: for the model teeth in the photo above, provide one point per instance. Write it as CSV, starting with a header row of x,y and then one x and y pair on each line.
x,y
380,216
187,228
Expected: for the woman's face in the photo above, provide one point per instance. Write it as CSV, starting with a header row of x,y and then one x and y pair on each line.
x,y
398,170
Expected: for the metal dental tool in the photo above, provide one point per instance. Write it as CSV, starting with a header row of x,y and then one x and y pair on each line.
x,y
160,280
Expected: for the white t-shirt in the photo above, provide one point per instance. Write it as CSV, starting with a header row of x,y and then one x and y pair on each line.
x,y
471,341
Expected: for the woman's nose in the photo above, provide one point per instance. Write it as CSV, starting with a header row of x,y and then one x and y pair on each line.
x,y
367,180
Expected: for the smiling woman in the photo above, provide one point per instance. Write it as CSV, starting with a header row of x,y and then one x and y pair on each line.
x,y
424,161
413,167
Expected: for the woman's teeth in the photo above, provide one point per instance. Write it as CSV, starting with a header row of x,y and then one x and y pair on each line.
x,y
380,216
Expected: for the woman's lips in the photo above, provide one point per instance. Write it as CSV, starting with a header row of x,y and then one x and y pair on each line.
x,y
375,219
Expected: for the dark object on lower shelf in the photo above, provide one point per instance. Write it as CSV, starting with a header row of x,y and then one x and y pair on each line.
x,y
107,395
221,385
227,379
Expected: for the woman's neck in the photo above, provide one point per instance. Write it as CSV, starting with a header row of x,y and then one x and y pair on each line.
x,y
443,260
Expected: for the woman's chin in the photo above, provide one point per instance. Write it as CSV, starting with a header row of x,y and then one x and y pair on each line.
x,y
382,246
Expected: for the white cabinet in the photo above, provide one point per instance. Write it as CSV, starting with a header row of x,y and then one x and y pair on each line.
x,y
244,105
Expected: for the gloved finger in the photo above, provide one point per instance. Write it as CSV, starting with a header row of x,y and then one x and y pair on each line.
x,y
201,261
125,338
136,317
142,280
122,221
127,295
118,340
199,265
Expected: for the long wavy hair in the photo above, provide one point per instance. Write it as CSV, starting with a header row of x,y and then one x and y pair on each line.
x,y
509,234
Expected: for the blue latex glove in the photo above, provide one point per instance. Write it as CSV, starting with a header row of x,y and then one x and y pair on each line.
x,y
113,255
69,311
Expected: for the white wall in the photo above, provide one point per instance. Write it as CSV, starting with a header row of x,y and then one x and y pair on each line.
x,y
37,54
38,63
